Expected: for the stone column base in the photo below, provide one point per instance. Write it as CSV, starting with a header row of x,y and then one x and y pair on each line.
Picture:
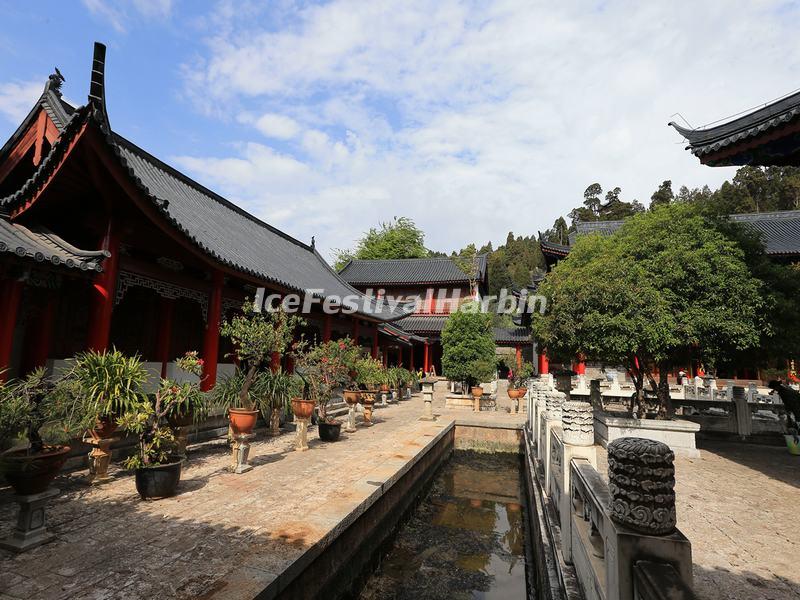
x,y
31,530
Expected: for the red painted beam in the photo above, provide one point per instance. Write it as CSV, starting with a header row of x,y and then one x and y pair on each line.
x,y
211,338
375,341
427,358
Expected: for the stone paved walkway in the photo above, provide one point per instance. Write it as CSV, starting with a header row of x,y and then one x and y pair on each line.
x,y
112,545
738,505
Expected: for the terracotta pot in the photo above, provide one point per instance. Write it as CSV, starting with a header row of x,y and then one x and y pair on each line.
x,y
516,393
158,481
242,420
476,391
385,388
352,396
368,398
105,426
32,474
303,409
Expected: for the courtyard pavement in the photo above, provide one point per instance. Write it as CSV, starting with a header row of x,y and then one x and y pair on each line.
x,y
226,536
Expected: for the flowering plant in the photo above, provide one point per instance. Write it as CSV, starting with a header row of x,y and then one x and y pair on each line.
x,y
157,441
325,367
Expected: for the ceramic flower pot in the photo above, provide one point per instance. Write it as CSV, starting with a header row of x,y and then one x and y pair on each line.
x,y
352,396
516,393
476,391
329,432
303,409
243,421
104,428
32,474
158,481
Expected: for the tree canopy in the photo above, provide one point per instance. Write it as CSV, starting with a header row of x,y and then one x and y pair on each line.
x,y
669,284
468,347
398,238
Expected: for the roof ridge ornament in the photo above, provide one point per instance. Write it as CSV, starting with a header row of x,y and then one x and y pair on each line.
x,y
97,87
54,82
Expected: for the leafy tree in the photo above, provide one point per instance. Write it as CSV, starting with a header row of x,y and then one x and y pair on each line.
x,y
468,347
663,195
667,284
558,233
399,238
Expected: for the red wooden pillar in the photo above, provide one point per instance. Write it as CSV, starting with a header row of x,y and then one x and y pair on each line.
x,y
10,296
375,341
326,328
385,356
580,366
427,358
275,362
102,299
544,363
166,309
211,339
411,359
354,334
37,346
519,357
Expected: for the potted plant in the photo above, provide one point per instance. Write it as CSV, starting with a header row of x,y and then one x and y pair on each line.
x,y
351,358
324,368
36,417
518,386
111,382
273,392
256,335
369,375
193,406
156,463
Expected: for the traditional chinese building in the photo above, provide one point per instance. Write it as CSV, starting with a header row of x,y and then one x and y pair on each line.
x,y
102,243
436,285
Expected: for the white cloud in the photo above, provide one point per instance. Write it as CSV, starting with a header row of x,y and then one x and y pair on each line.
x,y
479,118
116,12
17,98
274,125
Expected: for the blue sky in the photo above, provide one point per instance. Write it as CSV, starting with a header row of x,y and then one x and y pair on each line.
x,y
473,118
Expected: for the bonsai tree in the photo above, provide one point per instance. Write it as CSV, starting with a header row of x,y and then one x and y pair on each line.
x,y
37,410
468,346
109,381
522,375
273,392
42,414
256,335
666,286
369,373
324,368
156,441
192,403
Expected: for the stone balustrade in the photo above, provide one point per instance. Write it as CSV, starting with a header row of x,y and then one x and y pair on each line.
x,y
605,540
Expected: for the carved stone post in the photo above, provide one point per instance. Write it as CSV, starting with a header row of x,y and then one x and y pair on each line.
x,y
578,423
427,396
31,530
641,480
553,403
351,419
301,444
240,451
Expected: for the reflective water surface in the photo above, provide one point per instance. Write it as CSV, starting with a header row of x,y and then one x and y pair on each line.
x,y
464,540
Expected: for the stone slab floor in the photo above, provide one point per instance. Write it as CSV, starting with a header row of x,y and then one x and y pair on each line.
x,y
110,544
738,505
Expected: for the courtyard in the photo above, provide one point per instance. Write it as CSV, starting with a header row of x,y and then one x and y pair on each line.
x,y
229,536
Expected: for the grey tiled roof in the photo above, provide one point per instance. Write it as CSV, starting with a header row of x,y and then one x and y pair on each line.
x,y
514,335
44,246
408,271
750,125
780,230
422,324
553,249
219,228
